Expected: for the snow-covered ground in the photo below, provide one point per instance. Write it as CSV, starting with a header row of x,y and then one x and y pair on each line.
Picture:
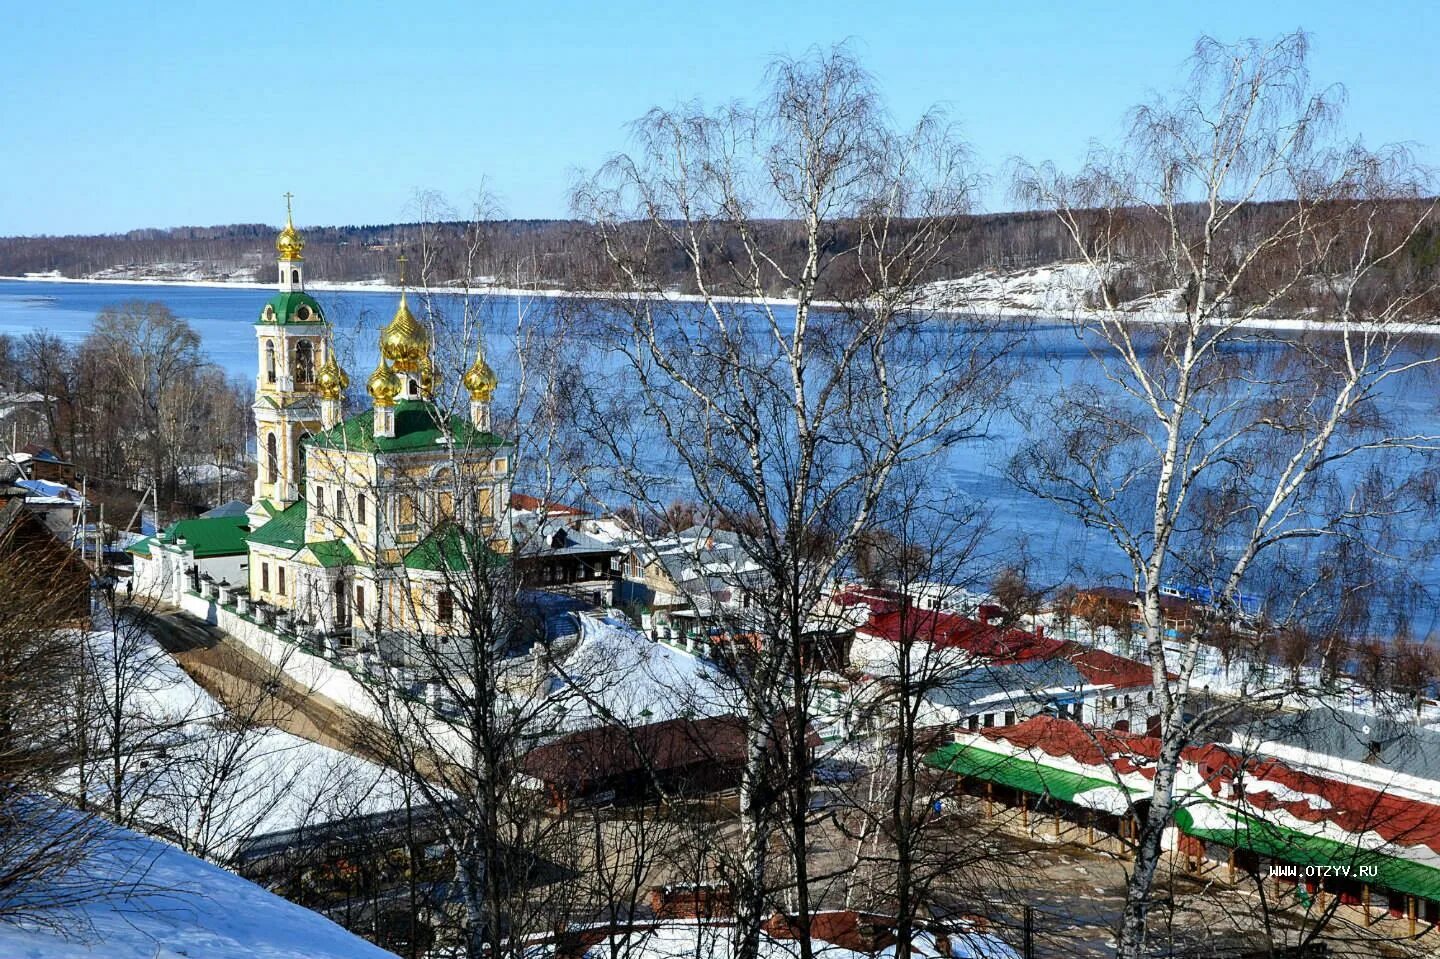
x,y
196,774
164,904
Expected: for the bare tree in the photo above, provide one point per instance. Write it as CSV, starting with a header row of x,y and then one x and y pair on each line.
x,y
785,422
1213,450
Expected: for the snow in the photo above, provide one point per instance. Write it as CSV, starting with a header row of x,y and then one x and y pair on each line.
x,y
248,780
164,904
616,674
693,939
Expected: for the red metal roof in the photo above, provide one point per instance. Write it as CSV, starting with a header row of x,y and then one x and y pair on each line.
x,y
953,631
1353,808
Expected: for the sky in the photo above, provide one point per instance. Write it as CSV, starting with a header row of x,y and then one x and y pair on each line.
x,y
116,116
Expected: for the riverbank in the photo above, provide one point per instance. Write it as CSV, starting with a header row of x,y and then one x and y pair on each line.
x,y
963,297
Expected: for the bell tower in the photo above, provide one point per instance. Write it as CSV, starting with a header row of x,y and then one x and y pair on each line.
x,y
294,352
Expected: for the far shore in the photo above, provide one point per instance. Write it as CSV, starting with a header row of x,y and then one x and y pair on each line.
x,y
1149,316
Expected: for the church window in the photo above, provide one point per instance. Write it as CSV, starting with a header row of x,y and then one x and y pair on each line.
x,y
264,577
360,507
414,388
405,510
304,363
272,459
295,278
445,607
339,503
359,599
269,362
319,498
280,578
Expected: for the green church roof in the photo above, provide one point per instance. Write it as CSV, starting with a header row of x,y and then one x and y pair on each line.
x,y
287,305
418,426
209,537
286,531
331,553
451,548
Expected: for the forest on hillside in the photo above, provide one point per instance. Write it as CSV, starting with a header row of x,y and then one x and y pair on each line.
x,y
571,254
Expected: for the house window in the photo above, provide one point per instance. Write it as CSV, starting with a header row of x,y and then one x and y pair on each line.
x,y
280,578
1010,717
974,723
445,607
264,577
989,720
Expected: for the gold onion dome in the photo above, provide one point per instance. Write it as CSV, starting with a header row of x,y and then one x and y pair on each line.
x,y
480,379
330,379
384,385
403,342
288,244
429,376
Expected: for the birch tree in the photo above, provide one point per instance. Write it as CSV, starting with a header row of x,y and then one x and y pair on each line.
x,y
784,422
1269,468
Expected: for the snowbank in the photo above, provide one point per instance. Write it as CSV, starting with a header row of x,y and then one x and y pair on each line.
x,y
165,904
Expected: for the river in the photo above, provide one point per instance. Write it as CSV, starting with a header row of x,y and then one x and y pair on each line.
x,y
224,317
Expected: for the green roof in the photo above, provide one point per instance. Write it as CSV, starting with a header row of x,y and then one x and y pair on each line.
x,y
1302,849
1017,772
452,548
287,530
286,305
331,553
208,537
418,426
141,547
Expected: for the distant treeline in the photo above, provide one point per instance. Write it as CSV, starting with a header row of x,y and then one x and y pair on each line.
x,y
558,253
566,254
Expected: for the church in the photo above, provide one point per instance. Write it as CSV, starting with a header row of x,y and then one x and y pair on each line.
x,y
365,528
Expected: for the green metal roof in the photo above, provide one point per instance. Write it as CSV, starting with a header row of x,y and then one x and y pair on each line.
x,y
141,547
1017,772
286,305
209,537
418,426
451,548
287,530
1302,849
331,553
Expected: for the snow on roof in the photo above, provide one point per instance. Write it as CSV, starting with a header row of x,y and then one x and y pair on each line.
x,y
163,902
712,939
616,674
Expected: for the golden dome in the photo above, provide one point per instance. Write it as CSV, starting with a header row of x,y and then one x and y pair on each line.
x,y
480,379
384,385
429,376
330,379
288,244
403,342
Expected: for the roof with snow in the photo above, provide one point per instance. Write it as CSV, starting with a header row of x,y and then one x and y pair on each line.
x,y
999,645
163,902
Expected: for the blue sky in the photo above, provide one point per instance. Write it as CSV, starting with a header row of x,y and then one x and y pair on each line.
x,y
122,115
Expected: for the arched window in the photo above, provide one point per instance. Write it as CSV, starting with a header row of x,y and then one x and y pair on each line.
x,y
272,459
294,276
269,361
304,363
